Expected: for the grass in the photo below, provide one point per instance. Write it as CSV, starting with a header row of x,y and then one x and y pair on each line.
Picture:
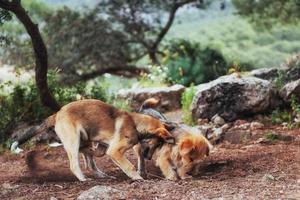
x,y
186,101
271,137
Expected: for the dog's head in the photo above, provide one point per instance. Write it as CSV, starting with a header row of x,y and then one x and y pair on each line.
x,y
160,137
190,151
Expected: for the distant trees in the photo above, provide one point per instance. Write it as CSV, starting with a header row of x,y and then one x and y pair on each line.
x,y
145,23
269,12
109,38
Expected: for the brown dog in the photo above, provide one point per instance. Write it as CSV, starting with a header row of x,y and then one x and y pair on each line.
x,y
175,161
81,125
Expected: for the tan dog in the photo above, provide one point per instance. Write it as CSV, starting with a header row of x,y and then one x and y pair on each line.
x,y
81,125
175,161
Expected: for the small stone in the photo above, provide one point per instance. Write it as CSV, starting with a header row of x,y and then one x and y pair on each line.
x,y
8,186
105,192
53,198
268,177
217,120
256,125
243,126
262,141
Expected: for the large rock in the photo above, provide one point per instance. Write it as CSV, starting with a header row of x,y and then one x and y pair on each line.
x,y
292,88
102,192
232,97
265,73
271,74
170,97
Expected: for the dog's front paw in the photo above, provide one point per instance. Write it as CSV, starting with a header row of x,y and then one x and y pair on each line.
x,y
136,177
85,179
185,177
172,178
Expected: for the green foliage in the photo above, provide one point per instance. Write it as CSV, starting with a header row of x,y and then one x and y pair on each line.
x,y
280,116
291,72
120,103
156,77
17,49
20,102
188,63
279,80
4,16
186,101
271,137
295,104
269,12
85,43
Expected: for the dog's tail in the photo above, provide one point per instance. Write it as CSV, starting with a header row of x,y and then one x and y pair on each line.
x,y
47,123
149,103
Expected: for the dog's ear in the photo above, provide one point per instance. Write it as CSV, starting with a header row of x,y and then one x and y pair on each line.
x,y
186,146
165,135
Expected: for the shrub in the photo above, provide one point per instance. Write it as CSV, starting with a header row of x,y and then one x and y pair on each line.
x,y
20,102
186,101
271,137
188,63
280,116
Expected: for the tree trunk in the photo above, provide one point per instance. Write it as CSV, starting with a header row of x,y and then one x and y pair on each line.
x,y
153,57
40,51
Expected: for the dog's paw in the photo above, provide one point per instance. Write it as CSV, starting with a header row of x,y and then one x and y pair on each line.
x,y
186,177
172,178
85,179
137,177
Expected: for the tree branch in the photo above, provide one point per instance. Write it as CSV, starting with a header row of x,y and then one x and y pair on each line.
x,y
165,29
40,51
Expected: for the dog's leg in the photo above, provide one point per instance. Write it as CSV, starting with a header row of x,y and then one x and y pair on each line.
x,y
117,155
141,161
165,166
93,166
70,139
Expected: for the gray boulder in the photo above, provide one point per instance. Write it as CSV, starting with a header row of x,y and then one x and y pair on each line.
x,y
102,193
292,88
265,73
233,96
170,97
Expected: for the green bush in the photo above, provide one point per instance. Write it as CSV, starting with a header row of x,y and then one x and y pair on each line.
x,y
186,101
20,102
281,116
188,63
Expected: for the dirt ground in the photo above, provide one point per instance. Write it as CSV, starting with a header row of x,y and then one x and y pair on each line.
x,y
248,170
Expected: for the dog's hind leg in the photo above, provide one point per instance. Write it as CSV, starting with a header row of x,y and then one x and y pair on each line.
x,y
91,164
71,140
